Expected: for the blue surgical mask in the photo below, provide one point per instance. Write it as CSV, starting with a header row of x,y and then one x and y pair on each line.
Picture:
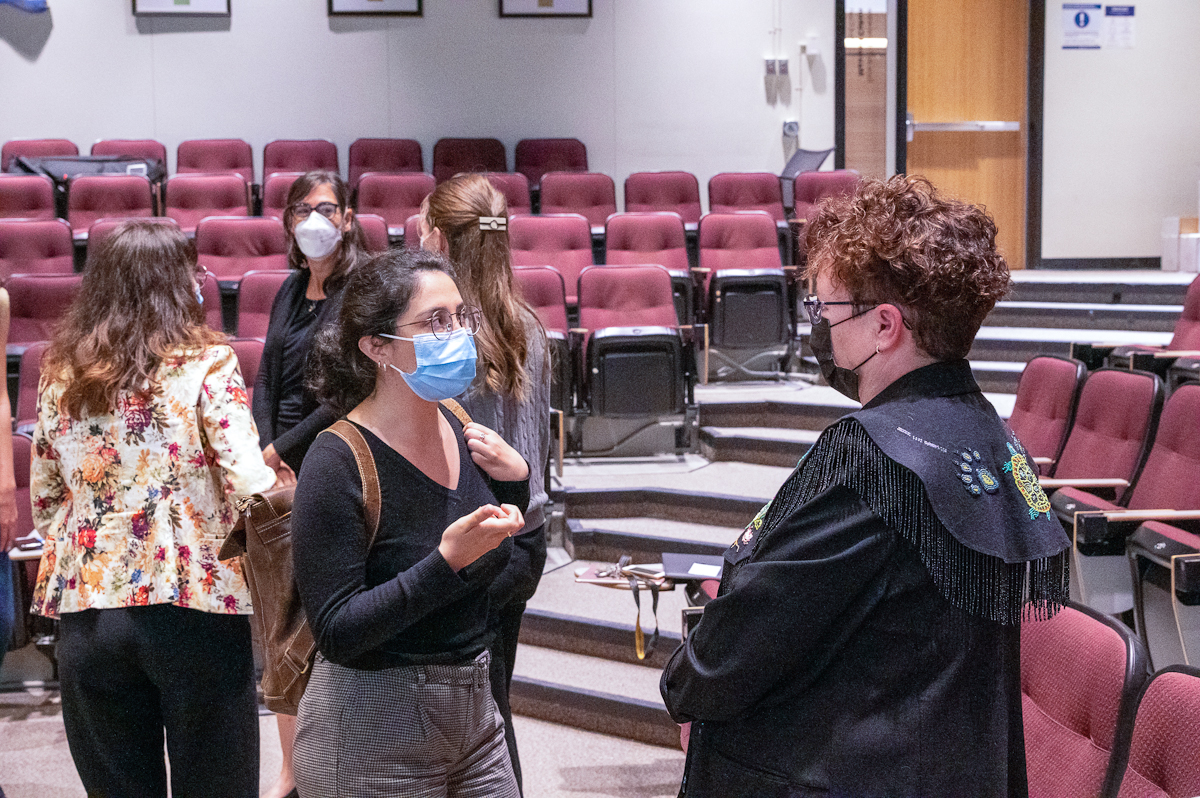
x,y
199,296
445,367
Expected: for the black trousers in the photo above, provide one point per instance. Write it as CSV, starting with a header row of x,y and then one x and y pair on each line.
x,y
127,675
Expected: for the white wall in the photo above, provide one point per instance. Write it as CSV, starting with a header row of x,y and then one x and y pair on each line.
x,y
646,84
1121,135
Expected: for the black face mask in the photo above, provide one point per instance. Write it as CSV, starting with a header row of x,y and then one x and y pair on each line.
x,y
842,380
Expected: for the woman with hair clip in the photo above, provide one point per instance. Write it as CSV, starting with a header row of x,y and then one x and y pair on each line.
x,y
325,241
143,441
466,219
399,701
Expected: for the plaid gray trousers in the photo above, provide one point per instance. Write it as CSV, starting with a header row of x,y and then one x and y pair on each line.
x,y
419,731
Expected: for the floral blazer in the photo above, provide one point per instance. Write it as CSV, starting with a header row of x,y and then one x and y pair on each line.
x,y
134,505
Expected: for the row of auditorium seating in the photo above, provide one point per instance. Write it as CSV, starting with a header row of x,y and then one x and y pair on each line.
x,y
397,195
533,157
1097,724
38,301
230,246
1119,465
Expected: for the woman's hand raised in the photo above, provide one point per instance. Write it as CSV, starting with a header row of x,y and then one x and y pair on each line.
x,y
493,454
474,535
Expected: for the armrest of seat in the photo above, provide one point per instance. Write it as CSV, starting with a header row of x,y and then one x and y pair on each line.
x,y
576,336
1104,528
1104,482
1176,354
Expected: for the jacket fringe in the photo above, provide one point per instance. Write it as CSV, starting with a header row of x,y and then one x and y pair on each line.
x,y
979,584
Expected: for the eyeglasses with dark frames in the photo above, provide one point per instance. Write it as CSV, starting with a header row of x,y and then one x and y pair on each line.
x,y
816,307
302,210
442,324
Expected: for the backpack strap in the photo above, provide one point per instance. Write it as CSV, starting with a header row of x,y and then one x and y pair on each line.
x,y
454,407
372,501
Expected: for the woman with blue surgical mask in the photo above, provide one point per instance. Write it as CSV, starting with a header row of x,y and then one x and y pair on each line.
x,y
325,242
399,702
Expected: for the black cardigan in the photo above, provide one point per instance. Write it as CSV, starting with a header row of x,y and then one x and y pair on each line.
x,y
292,445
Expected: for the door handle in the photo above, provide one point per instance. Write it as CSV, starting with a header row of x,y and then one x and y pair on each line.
x,y
971,126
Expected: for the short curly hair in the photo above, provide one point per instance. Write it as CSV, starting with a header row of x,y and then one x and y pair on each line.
x,y
902,243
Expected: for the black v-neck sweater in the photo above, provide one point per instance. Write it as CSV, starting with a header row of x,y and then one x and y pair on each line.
x,y
401,603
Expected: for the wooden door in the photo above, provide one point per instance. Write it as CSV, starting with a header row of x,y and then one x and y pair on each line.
x,y
967,62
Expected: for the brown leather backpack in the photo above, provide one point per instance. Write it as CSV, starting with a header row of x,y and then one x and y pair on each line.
x,y
263,540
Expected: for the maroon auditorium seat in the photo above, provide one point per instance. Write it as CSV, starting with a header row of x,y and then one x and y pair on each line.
x,y
375,230
102,229
589,194
256,293
275,193
515,188
542,288
1164,759
809,188
27,386
633,353
1168,479
37,302
299,155
746,293
1080,676
92,197
27,197
536,157
451,156
646,238
730,192
35,246
230,246
678,192
216,156
192,197
34,148
631,238
384,155
563,241
412,232
132,148
249,354
1045,406
1111,434
210,289
394,196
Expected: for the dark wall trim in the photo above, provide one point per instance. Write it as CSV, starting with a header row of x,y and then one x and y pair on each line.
x,y
1100,263
839,84
901,45
1034,106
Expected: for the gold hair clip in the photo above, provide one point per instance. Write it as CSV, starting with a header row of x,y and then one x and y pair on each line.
x,y
493,223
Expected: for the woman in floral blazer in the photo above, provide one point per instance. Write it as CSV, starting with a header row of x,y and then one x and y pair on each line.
x,y
144,439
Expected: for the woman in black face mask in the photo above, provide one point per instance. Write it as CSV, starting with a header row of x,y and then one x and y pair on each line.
x,y
865,640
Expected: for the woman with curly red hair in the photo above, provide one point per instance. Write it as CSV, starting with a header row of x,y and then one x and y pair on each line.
x,y
866,636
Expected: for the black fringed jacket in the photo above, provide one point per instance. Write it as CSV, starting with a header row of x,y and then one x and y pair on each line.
x,y
859,648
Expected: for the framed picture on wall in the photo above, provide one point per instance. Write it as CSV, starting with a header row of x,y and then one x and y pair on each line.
x,y
392,8
545,8
192,8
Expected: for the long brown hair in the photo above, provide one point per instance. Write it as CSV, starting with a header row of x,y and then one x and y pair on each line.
x,y
136,306
353,247
483,263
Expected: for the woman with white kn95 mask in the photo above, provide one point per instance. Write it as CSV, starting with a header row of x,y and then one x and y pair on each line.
x,y
325,242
